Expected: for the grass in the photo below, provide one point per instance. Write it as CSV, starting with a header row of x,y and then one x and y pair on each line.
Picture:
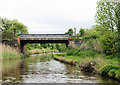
x,y
9,52
102,62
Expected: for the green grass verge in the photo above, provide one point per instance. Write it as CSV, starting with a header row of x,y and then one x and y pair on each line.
x,y
103,64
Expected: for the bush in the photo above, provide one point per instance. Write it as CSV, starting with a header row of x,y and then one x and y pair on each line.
x,y
70,52
76,51
117,74
81,31
91,34
86,53
28,53
81,53
108,43
28,46
112,73
22,56
94,35
61,47
86,37
37,52
105,70
90,44
51,51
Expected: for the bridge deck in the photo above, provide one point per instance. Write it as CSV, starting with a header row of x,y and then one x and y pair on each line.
x,y
44,36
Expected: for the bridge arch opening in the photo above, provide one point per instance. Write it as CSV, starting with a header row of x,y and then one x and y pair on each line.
x,y
42,38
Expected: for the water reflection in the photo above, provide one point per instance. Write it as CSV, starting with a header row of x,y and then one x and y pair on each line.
x,y
43,69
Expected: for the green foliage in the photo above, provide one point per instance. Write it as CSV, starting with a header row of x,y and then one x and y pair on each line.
x,y
70,31
5,24
61,47
106,14
45,45
7,35
86,37
91,34
109,43
106,39
61,54
81,31
90,44
112,73
95,32
117,74
28,53
87,53
28,47
94,35
51,47
33,46
111,70
37,52
76,51
70,52
9,52
105,71
99,29
12,27
22,56
81,53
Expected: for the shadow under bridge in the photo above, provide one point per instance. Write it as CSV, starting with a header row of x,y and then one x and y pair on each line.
x,y
42,38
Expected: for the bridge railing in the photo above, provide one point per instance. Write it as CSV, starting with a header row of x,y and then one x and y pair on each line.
x,y
42,35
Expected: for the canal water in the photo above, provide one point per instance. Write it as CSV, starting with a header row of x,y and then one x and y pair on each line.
x,y
44,69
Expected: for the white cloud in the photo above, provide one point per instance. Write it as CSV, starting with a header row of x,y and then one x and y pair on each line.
x,y
50,15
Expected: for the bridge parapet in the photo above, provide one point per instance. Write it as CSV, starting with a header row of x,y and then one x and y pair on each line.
x,y
43,35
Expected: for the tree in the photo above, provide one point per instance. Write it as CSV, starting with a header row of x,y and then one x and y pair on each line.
x,y
70,31
61,47
45,45
106,14
81,32
13,27
118,25
5,24
17,26
66,32
100,29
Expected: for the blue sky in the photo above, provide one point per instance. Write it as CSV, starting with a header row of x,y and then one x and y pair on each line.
x,y
50,16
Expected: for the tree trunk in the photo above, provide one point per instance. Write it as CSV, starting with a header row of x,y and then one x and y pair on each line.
x,y
118,28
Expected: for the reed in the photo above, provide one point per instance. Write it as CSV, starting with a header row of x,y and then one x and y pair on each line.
x,y
9,52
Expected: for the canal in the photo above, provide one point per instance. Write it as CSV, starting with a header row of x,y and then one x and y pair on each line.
x,y
44,69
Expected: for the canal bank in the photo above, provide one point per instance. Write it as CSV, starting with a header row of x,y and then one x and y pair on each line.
x,y
44,69
96,65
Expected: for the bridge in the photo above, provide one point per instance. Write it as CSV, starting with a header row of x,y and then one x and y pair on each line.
x,y
42,38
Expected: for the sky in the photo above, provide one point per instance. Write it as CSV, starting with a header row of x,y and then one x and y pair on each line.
x,y
50,16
